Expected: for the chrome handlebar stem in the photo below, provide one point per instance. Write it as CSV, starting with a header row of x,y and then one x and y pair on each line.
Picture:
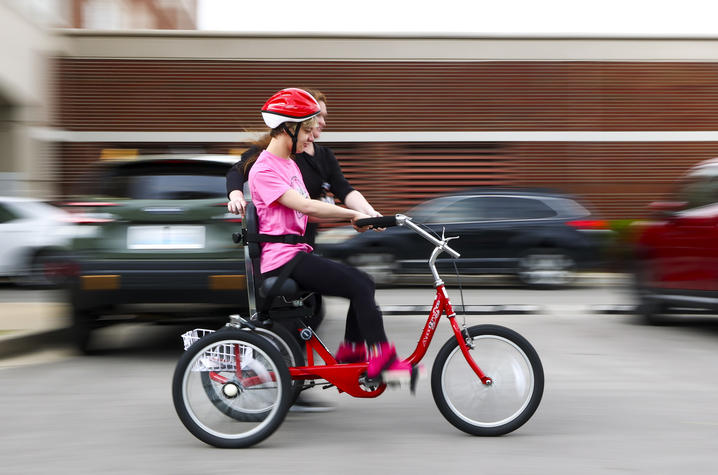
x,y
441,245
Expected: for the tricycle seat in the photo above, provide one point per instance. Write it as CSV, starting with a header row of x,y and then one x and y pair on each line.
x,y
268,299
289,289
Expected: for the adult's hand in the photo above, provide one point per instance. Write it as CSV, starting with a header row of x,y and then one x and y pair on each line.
x,y
236,204
375,214
360,216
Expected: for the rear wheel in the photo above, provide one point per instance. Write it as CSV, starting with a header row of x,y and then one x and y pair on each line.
x,y
254,381
488,409
44,269
284,343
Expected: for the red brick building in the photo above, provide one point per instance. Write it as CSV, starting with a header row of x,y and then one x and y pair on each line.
x,y
614,120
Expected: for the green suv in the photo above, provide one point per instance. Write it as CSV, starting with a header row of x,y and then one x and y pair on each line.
x,y
157,244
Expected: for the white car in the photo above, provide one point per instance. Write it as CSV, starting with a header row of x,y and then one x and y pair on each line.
x,y
33,238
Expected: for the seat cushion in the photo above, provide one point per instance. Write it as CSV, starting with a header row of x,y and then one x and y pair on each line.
x,y
289,289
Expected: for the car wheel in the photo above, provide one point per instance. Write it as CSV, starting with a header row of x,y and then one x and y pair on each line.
x,y
43,270
380,267
546,268
83,325
649,310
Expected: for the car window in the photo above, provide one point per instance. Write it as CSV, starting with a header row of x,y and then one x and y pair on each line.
x,y
37,209
174,182
464,210
6,215
699,191
432,211
567,207
512,207
483,208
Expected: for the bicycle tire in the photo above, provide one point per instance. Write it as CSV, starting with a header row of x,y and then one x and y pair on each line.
x,y
284,342
488,410
268,394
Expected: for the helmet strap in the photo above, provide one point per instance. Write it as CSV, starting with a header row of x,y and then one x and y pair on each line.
x,y
294,135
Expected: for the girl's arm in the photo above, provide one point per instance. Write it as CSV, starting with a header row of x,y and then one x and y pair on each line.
x,y
317,209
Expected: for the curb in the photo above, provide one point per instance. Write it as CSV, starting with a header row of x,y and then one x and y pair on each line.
x,y
28,342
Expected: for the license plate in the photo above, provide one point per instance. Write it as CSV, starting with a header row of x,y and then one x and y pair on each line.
x,y
165,237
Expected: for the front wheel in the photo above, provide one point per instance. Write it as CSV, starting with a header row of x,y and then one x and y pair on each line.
x,y
488,410
253,378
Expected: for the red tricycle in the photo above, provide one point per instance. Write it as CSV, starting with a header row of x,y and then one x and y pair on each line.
x,y
232,387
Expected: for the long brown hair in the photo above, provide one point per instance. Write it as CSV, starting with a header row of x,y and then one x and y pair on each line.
x,y
254,150
316,94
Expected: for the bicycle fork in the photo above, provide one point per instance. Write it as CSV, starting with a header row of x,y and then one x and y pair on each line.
x,y
442,305
461,337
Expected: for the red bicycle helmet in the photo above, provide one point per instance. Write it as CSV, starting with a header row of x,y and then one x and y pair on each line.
x,y
289,105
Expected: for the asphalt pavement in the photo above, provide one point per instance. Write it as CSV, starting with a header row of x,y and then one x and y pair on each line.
x,y
619,398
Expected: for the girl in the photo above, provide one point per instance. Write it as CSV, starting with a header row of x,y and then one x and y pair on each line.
x,y
320,169
283,207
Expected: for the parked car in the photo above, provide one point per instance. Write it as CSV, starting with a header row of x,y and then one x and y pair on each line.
x,y
34,238
156,244
677,253
543,237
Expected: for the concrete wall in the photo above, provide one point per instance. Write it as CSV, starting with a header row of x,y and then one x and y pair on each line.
x,y
25,104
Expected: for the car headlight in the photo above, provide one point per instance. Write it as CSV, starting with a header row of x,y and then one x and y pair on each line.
x,y
335,235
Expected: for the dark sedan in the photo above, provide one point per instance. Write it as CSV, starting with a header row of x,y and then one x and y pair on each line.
x,y
542,237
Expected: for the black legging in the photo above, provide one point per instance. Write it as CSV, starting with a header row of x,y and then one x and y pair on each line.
x,y
326,277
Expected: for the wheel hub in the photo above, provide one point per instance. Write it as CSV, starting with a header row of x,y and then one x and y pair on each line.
x,y
230,390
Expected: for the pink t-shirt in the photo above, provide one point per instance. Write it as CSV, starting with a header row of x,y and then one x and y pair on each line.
x,y
269,178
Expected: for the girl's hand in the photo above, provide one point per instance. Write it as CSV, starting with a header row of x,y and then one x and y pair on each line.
x,y
375,214
359,216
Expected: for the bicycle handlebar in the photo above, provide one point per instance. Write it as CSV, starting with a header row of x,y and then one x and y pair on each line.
x,y
378,222
401,220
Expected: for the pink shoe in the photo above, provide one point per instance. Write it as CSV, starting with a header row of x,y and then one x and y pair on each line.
x,y
351,353
384,362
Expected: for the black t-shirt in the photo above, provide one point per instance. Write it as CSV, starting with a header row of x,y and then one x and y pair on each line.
x,y
321,168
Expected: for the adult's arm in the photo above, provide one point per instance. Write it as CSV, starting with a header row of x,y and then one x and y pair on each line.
x,y
356,201
235,184
340,186
235,178
342,189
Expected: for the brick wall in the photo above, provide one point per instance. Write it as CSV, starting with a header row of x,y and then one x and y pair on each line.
x,y
619,178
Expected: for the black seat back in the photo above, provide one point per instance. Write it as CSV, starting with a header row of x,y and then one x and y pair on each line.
x,y
261,294
252,254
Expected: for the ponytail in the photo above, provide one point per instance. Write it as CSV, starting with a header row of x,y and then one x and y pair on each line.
x,y
252,154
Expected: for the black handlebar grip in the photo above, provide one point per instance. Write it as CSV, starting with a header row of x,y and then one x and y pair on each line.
x,y
378,222
237,237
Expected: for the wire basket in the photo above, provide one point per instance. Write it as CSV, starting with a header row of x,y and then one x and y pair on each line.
x,y
188,338
220,357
